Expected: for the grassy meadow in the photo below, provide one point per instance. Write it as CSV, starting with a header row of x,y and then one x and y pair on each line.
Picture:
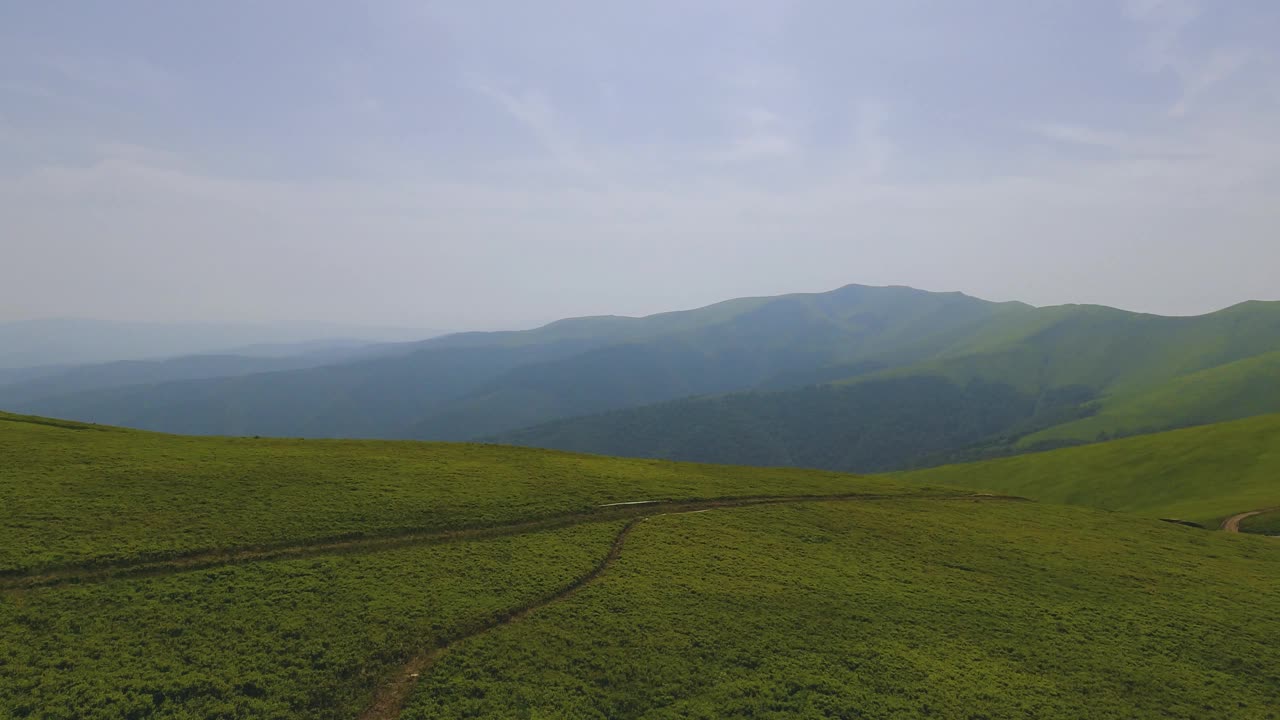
x,y
1201,474
912,599
306,638
83,494
905,609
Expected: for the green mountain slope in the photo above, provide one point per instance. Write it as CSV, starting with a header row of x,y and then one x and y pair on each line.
x,y
1150,372
1104,347
1200,474
869,426
722,348
80,494
1237,389
1066,375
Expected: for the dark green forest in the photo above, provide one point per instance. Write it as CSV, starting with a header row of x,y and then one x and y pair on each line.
x,y
873,426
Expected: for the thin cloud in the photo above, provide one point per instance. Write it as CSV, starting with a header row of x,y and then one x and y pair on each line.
x,y
1199,79
1116,142
622,160
1165,24
535,113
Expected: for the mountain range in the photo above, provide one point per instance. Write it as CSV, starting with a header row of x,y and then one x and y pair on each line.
x,y
40,343
859,378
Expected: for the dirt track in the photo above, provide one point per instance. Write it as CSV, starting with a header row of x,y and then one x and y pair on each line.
x,y
75,574
1232,524
389,700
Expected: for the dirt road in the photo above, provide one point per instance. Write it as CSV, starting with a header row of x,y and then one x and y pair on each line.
x,y
390,698
202,559
1232,524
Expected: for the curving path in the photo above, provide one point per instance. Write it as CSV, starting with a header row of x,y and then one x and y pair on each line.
x,y
389,700
1232,524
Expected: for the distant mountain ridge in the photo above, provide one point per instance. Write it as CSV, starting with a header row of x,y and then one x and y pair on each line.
x,y
1068,375
473,384
20,387
861,378
81,341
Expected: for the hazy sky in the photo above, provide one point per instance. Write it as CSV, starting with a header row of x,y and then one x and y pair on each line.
x,y
481,164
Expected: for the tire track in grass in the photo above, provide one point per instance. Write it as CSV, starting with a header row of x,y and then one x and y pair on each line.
x,y
389,700
200,560
1232,524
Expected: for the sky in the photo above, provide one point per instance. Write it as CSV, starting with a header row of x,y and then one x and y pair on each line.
x,y
479,164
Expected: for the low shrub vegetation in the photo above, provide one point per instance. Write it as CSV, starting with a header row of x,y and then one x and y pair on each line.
x,y
307,638
74,497
896,609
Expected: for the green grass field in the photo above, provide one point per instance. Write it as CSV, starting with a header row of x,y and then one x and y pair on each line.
x,y
906,598
898,609
1201,474
307,638
1234,390
83,495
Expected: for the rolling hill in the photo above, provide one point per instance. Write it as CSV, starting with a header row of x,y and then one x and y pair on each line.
x,y
162,576
80,495
1201,474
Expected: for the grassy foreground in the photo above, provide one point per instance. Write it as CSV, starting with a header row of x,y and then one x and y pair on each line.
x,y
910,604
84,494
902,609
290,639
1202,474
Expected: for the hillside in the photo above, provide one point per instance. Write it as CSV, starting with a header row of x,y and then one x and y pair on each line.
x,y
1148,372
1029,380
114,495
1200,474
253,578
864,427
1236,389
